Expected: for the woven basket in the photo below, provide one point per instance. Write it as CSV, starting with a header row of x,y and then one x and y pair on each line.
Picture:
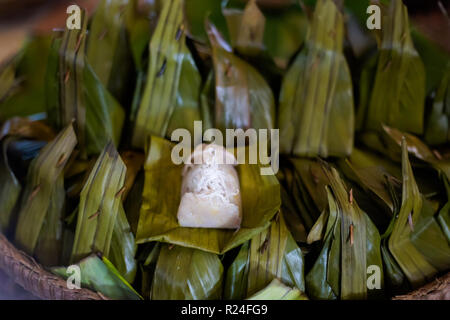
x,y
29,274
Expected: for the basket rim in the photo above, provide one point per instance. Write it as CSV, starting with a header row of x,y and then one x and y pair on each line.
x,y
34,278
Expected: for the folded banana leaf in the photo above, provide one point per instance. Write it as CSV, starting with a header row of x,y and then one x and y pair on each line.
x,y
272,254
243,99
246,28
437,130
304,182
294,221
140,24
170,98
150,256
350,244
100,275
276,290
43,194
369,176
316,100
158,221
50,242
187,274
392,138
123,247
25,95
99,206
107,47
417,242
397,86
9,190
75,93
197,11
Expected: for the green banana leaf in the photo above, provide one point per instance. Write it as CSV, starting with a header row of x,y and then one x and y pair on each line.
x,y
393,140
26,93
276,290
398,85
107,47
197,11
162,194
243,99
187,274
272,254
170,97
416,241
123,247
437,130
316,114
100,275
304,182
140,24
99,206
49,245
74,92
351,243
246,28
150,256
9,191
42,195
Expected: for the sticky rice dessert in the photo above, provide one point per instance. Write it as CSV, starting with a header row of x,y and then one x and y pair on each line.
x,y
210,193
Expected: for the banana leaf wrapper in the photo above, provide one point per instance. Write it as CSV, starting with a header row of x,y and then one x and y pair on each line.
x,y
391,140
246,28
437,129
369,176
42,196
171,96
100,275
397,85
316,116
350,244
162,194
304,182
99,206
140,24
196,12
187,274
417,242
25,93
107,46
123,247
75,93
243,99
9,191
48,249
276,290
272,254
150,256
